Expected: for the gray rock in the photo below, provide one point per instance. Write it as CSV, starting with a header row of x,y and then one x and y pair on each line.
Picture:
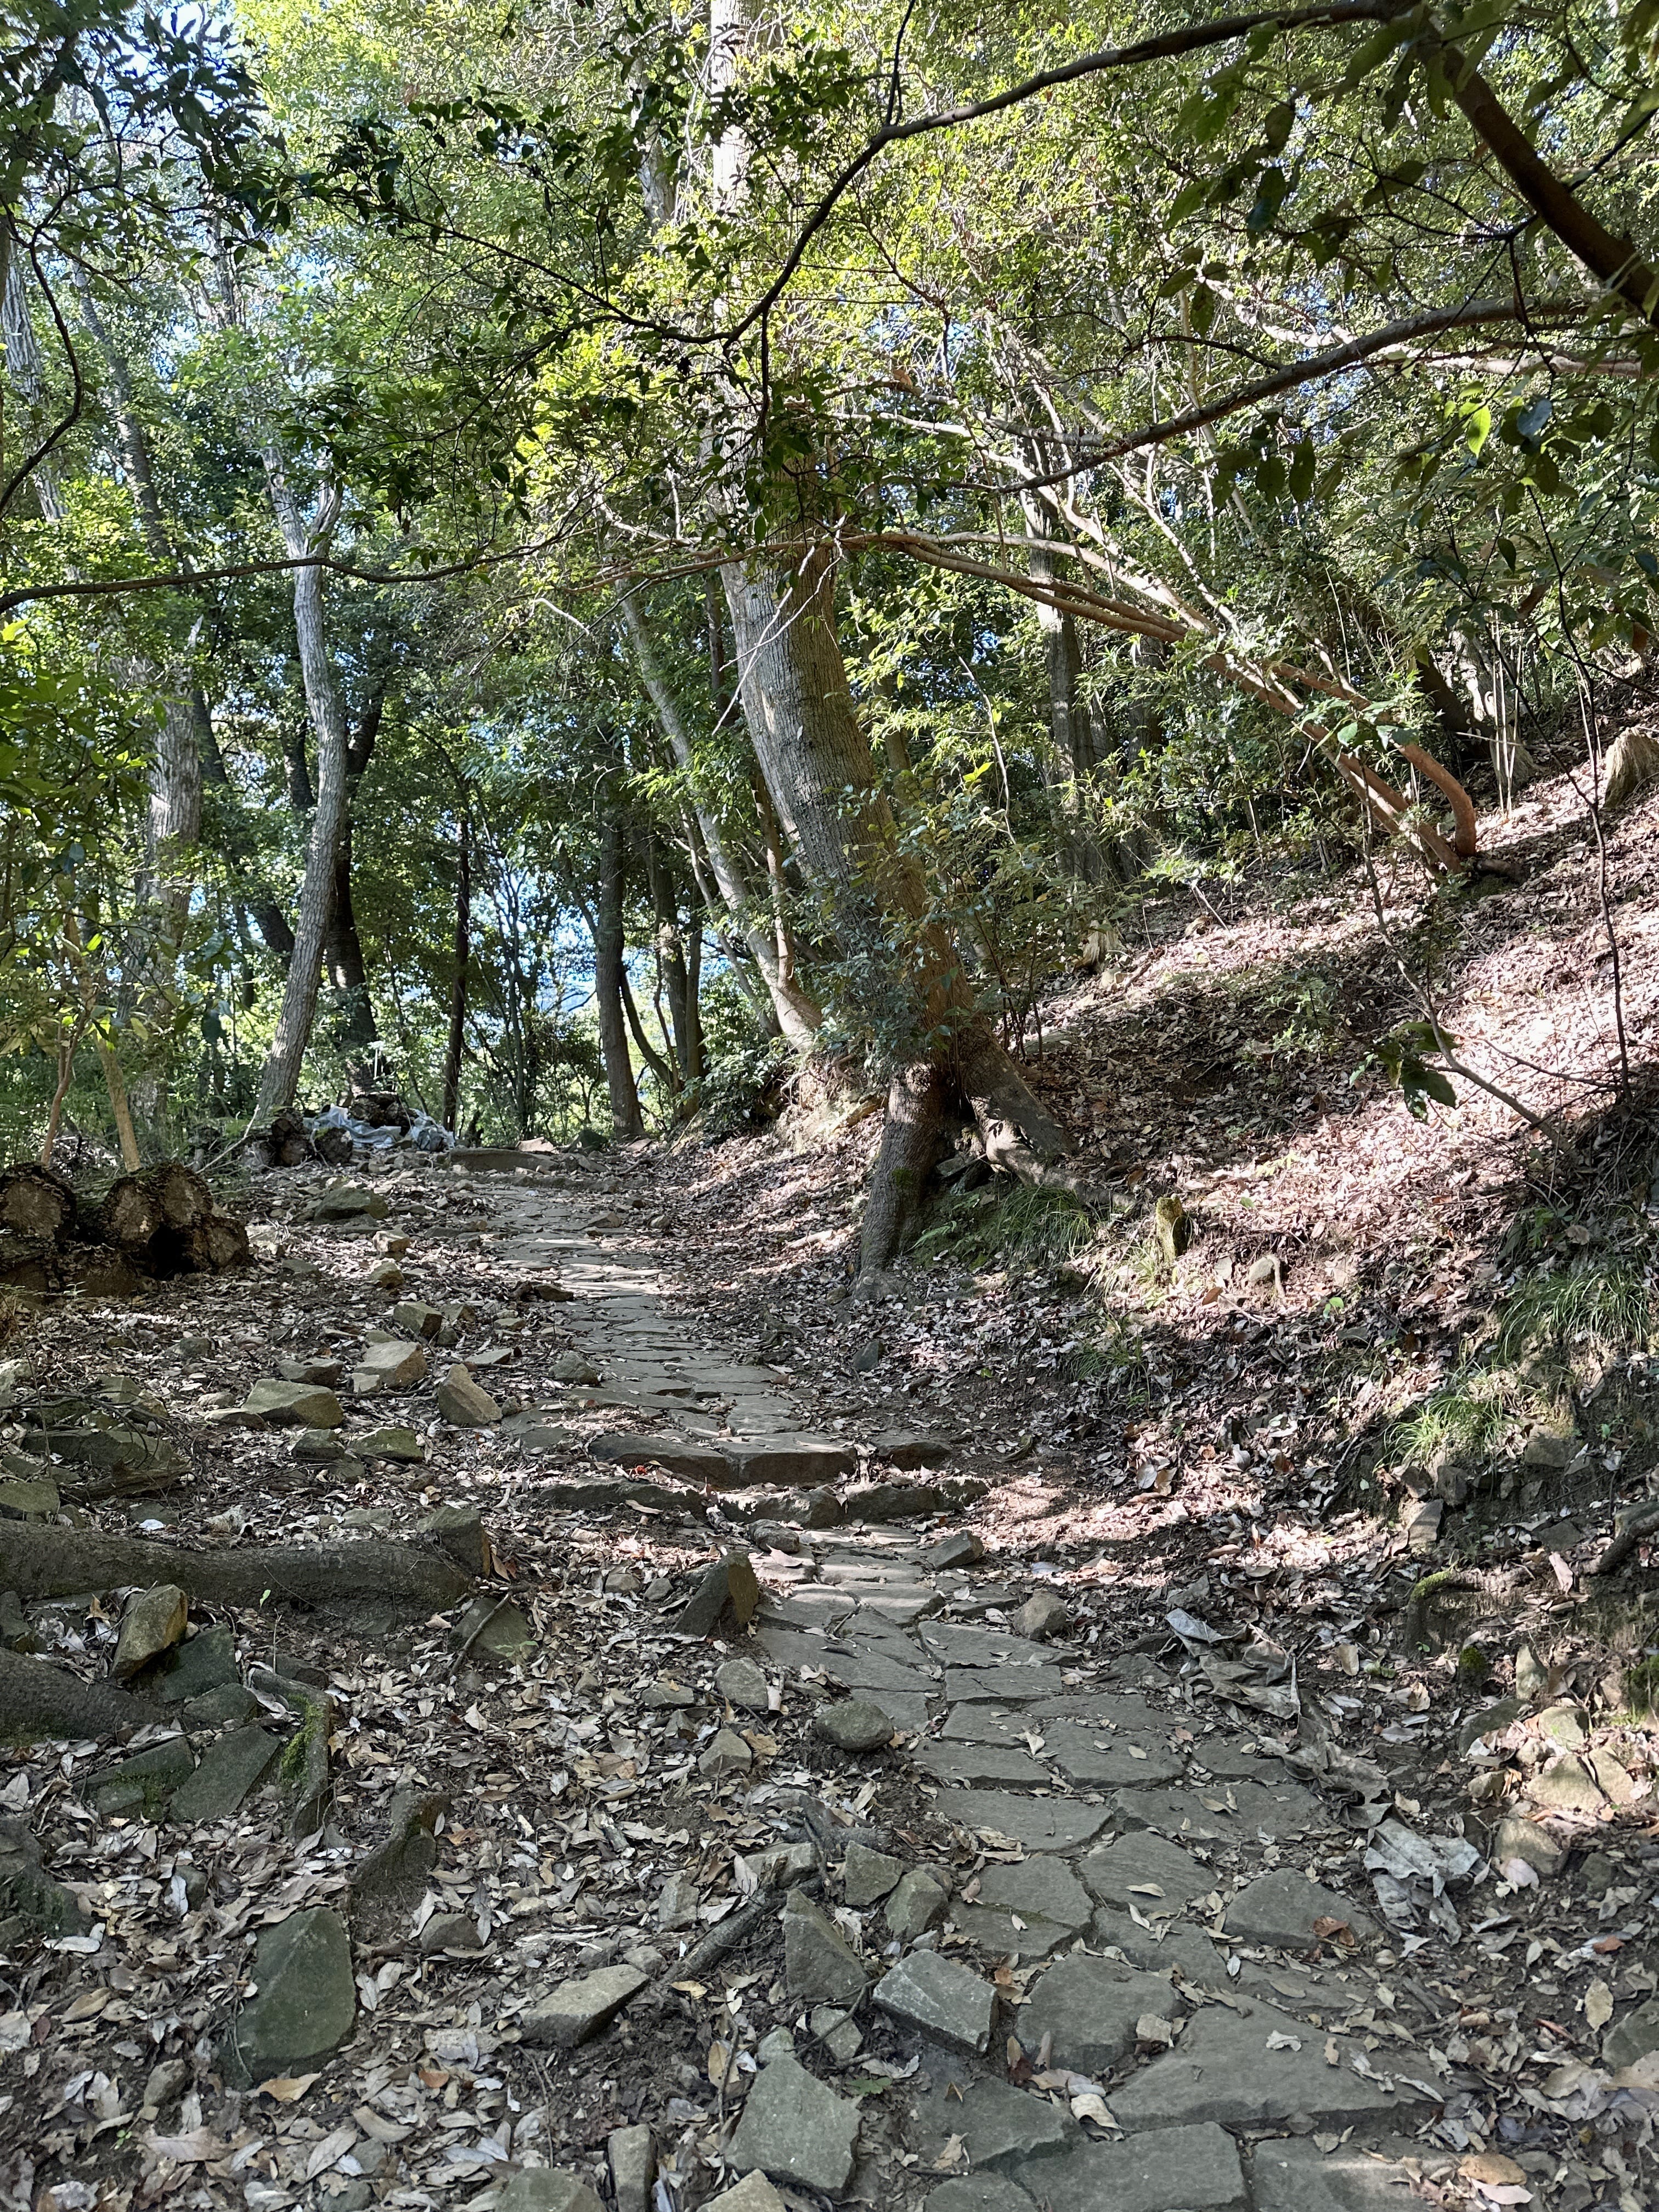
x,y
464,1402
754,2193
883,1502
867,1876
837,2030
394,1365
204,1661
974,1765
729,1586
1162,1946
1098,1762
980,2192
916,1905
29,1497
1146,1872
728,1753
416,1318
450,1931
820,1964
1634,2038
399,1445
1002,1686
1235,1811
693,1463
493,1628
1182,2169
676,1903
295,1405
306,2002
1489,1720
350,1202
1089,2009
230,1770
940,1998
542,2188
1289,2175
1041,1823
1223,2071
226,1707
962,1550
743,1683
1593,1784
853,1724
579,2009
145,1783
1000,2127
459,1531
633,2154
1279,1909
1042,1889
785,1462
1518,1839
152,1623
1042,1616
795,2129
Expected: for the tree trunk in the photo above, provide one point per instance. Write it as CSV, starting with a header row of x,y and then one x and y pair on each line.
x,y
907,981
626,1118
457,987
348,973
1633,761
798,1014
280,1078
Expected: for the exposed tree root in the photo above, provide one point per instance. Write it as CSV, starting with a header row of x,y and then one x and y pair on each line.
x,y
58,1562
40,1702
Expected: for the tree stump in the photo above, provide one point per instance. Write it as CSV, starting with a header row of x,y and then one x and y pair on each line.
x,y
35,1201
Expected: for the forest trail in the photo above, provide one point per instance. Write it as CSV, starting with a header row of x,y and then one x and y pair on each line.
x,y
850,1858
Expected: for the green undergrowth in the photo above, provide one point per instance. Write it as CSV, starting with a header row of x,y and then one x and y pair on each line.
x,y
1003,1226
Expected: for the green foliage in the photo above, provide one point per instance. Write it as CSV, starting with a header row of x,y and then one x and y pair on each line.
x,y
1603,1303
1007,1224
1399,1056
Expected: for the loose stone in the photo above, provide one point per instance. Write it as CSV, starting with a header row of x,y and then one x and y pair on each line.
x,y
306,2000
916,1905
578,2008
853,1724
820,1963
795,2129
940,1998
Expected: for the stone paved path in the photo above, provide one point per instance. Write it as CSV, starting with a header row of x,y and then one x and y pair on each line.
x,y
1191,2022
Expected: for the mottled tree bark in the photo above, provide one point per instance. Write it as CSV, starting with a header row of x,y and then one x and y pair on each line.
x,y
457,987
608,949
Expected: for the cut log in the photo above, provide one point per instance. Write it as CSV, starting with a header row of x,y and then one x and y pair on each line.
x,y
130,1213
58,1562
28,1263
183,1195
210,1248
35,1201
42,1703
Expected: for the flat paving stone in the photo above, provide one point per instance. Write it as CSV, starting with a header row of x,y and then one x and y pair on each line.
x,y
1280,1909
1042,1888
230,1770
1292,2175
1000,2126
1233,1810
944,2000
1146,1871
983,1724
1105,1708
981,1765
980,2192
1098,1762
794,2128
1040,1824
1225,1760
1088,2009
1164,1947
999,1685
961,1646
1258,2067
1187,2169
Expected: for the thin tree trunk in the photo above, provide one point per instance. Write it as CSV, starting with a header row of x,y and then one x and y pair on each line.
x,y
908,978
280,1078
458,988
671,952
347,970
800,1017
608,948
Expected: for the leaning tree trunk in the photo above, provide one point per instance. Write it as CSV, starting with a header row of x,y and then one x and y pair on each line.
x,y
280,1078
798,1014
909,981
608,948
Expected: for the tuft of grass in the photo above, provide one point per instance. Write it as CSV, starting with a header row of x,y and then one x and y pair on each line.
x,y
1024,1225
1467,1419
1603,1303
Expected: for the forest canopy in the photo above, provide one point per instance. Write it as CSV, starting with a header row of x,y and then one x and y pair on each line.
x,y
562,560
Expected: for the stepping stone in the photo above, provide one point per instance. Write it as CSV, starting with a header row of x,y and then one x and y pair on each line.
x,y
578,2008
981,1765
1000,2126
1237,1811
867,1876
785,1461
999,1685
1089,2009
1145,1871
1098,1762
676,1454
1166,1947
961,1646
1229,1762
1183,2169
980,2192
307,2003
940,1998
1279,1909
906,1449
743,1683
893,1501
1040,1824
1104,1709
229,1772
1038,1889
1290,2175
795,2129
985,1724
295,1405
1258,2067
